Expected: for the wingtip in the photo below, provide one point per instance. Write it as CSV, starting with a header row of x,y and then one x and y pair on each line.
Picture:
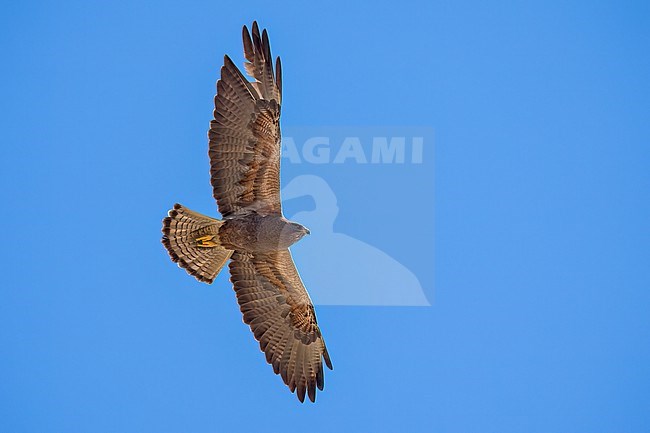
x,y
278,74
301,392
248,44
326,358
311,392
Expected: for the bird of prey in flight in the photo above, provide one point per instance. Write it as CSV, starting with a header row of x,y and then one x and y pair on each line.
x,y
244,155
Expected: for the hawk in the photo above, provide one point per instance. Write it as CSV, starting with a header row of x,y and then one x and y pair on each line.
x,y
244,151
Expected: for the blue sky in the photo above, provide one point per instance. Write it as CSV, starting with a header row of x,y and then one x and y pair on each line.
x,y
536,202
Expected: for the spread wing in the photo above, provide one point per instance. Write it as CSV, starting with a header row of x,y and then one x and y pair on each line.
x,y
245,133
278,310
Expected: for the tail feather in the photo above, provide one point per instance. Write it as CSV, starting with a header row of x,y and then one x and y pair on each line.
x,y
192,241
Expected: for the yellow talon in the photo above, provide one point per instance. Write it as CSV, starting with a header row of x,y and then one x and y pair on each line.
x,y
206,242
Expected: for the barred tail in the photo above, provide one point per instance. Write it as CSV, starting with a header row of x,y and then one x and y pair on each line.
x,y
192,241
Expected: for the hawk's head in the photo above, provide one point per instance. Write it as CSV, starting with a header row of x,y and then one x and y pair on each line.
x,y
292,233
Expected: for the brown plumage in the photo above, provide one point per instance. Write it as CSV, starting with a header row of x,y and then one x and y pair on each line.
x,y
245,175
